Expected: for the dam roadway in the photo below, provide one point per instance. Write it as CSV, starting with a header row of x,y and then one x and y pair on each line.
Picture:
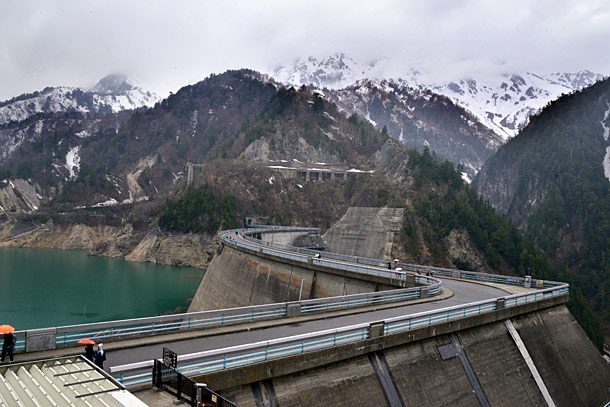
x,y
463,293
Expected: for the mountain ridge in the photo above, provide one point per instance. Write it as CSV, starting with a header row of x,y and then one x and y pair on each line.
x,y
503,102
113,93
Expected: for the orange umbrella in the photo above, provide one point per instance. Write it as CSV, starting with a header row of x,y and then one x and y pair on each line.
x,y
86,341
6,329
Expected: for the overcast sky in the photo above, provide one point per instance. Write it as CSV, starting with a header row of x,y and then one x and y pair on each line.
x,y
164,45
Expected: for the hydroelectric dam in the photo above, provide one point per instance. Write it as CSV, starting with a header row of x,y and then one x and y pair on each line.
x,y
277,325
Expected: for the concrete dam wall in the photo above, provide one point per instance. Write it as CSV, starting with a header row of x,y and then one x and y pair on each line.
x,y
481,365
365,232
236,278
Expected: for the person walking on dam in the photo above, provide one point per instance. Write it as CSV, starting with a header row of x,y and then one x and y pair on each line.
x,y
100,356
89,352
8,346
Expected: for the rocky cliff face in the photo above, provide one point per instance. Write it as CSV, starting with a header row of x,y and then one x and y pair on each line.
x,y
114,241
52,236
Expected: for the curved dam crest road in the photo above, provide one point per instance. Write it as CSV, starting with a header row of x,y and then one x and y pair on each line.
x,y
463,293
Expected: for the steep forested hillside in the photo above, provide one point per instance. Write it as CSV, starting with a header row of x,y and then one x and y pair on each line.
x,y
551,181
238,114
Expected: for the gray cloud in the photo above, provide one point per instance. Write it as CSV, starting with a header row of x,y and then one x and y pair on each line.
x,y
166,44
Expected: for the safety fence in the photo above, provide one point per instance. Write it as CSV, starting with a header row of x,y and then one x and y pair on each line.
x,y
226,358
195,394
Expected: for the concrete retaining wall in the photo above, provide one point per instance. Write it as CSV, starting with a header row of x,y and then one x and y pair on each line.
x,y
365,232
417,374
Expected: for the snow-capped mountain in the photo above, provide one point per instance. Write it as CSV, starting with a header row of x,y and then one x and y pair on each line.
x,y
333,72
111,94
421,118
502,102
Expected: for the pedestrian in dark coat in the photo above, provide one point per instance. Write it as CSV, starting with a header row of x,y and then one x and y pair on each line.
x,y
8,346
100,356
89,352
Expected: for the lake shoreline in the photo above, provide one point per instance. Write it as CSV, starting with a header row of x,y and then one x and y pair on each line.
x,y
55,287
150,245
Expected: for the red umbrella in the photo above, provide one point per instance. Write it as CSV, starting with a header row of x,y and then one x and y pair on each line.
x,y
6,329
86,341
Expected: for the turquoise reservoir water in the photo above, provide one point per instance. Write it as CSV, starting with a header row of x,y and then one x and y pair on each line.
x,y
43,287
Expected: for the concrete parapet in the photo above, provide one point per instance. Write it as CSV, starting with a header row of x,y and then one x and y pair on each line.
x,y
40,339
293,310
456,274
500,304
423,292
376,329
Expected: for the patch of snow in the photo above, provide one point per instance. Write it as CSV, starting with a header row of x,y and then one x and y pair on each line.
x,y
73,161
280,167
603,122
357,171
38,127
110,202
271,179
300,186
466,178
607,163
328,116
328,134
82,134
